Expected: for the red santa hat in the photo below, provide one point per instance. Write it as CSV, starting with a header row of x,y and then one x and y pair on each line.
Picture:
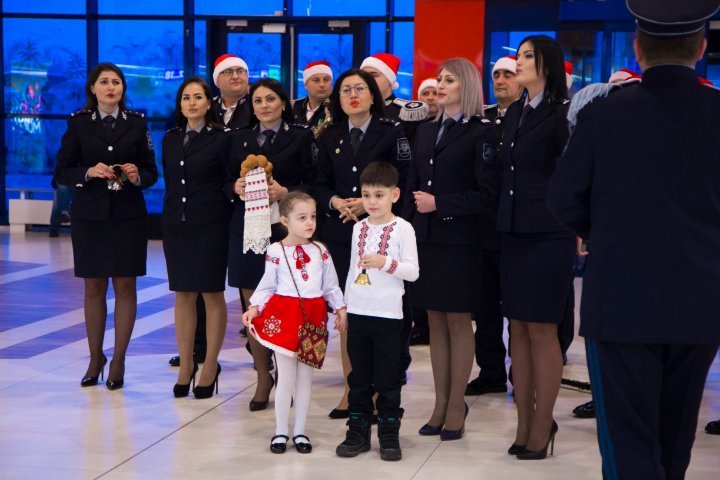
x,y
385,63
226,61
427,83
505,63
568,74
314,68
623,75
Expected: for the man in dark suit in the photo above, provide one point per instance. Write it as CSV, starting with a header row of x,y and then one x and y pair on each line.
x,y
233,106
313,110
638,182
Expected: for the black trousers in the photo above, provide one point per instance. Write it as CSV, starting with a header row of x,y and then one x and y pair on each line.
x,y
647,399
489,324
374,349
200,347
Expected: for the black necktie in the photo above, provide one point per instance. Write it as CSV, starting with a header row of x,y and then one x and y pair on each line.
x,y
109,122
268,134
446,125
355,134
527,110
188,138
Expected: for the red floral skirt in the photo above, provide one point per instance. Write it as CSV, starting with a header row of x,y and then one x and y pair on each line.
x,y
278,326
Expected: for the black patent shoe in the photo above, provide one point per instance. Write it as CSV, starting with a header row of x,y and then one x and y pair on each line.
x,y
277,447
586,410
175,361
337,413
115,384
515,449
429,430
447,435
302,447
89,381
540,454
713,428
183,390
207,392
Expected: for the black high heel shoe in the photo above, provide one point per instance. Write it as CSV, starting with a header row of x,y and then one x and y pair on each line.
x,y
515,449
115,384
257,405
428,430
180,390
446,435
88,381
207,392
539,455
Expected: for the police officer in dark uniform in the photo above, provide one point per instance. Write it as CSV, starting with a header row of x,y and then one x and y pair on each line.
x,y
233,109
637,181
358,135
107,155
288,146
314,110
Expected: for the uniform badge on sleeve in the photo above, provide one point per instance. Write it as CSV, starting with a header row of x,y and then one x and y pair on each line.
x,y
149,140
403,149
489,153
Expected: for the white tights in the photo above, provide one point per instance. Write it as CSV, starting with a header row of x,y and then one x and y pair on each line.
x,y
294,381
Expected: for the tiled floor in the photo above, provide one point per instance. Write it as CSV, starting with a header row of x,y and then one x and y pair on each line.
x,y
51,428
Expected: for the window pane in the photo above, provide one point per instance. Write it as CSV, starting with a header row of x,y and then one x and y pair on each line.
x,y
201,49
309,8
154,7
713,74
335,48
403,41
45,65
154,194
32,145
150,54
47,6
623,55
238,7
404,8
261,52
377,38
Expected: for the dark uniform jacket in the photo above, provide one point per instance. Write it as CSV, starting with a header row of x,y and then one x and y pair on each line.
x,y
86,143
339,170
195,176
529,155
491,241
461,171
300,108
290,154
241,116
640,179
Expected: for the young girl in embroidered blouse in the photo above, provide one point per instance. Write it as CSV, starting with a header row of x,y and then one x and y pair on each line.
x,y
295,265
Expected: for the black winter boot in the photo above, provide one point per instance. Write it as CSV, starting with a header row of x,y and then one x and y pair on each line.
x,y
389,436
357,438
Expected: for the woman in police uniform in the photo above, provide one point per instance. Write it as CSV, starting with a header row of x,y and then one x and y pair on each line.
x,y
288,147
537,253
451,184
107,155
358,135
195,227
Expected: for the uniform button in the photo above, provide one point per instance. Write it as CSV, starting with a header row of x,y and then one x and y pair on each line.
x,y
184,199
354,169
512,144
497,121
511,192
110,148
429,182
354,189
182,162
512,167
183,181
431,161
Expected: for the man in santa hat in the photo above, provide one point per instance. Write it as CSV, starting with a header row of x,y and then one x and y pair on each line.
x,y
231,77
313,109
505,88
427,93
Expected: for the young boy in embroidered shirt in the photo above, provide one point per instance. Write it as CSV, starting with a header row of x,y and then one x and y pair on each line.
x,y
384,247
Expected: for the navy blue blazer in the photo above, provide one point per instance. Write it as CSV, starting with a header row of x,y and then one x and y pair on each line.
x,y
529,155
462,172
640,179
85,143
290,154
195,177
338,170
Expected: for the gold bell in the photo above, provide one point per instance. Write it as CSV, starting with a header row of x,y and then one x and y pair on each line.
x,y
363,278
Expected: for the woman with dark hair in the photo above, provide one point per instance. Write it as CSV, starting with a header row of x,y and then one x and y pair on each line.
x,y
107,155
195,229
288,147
358,135
450,185
537,253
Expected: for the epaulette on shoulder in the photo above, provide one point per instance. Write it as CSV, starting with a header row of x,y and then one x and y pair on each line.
x,y
134,113
400,102
565,101
588,94
390,121
475,118
81,112
172,129
299,125
490,107
414,111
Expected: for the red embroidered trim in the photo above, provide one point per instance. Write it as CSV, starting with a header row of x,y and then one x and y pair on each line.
x,y
363,238
393,267
385,238
325,255
301,260
270,259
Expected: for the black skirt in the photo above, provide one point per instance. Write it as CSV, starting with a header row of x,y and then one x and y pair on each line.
x,y
196,256
246,269
536,275
450,278
114,248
